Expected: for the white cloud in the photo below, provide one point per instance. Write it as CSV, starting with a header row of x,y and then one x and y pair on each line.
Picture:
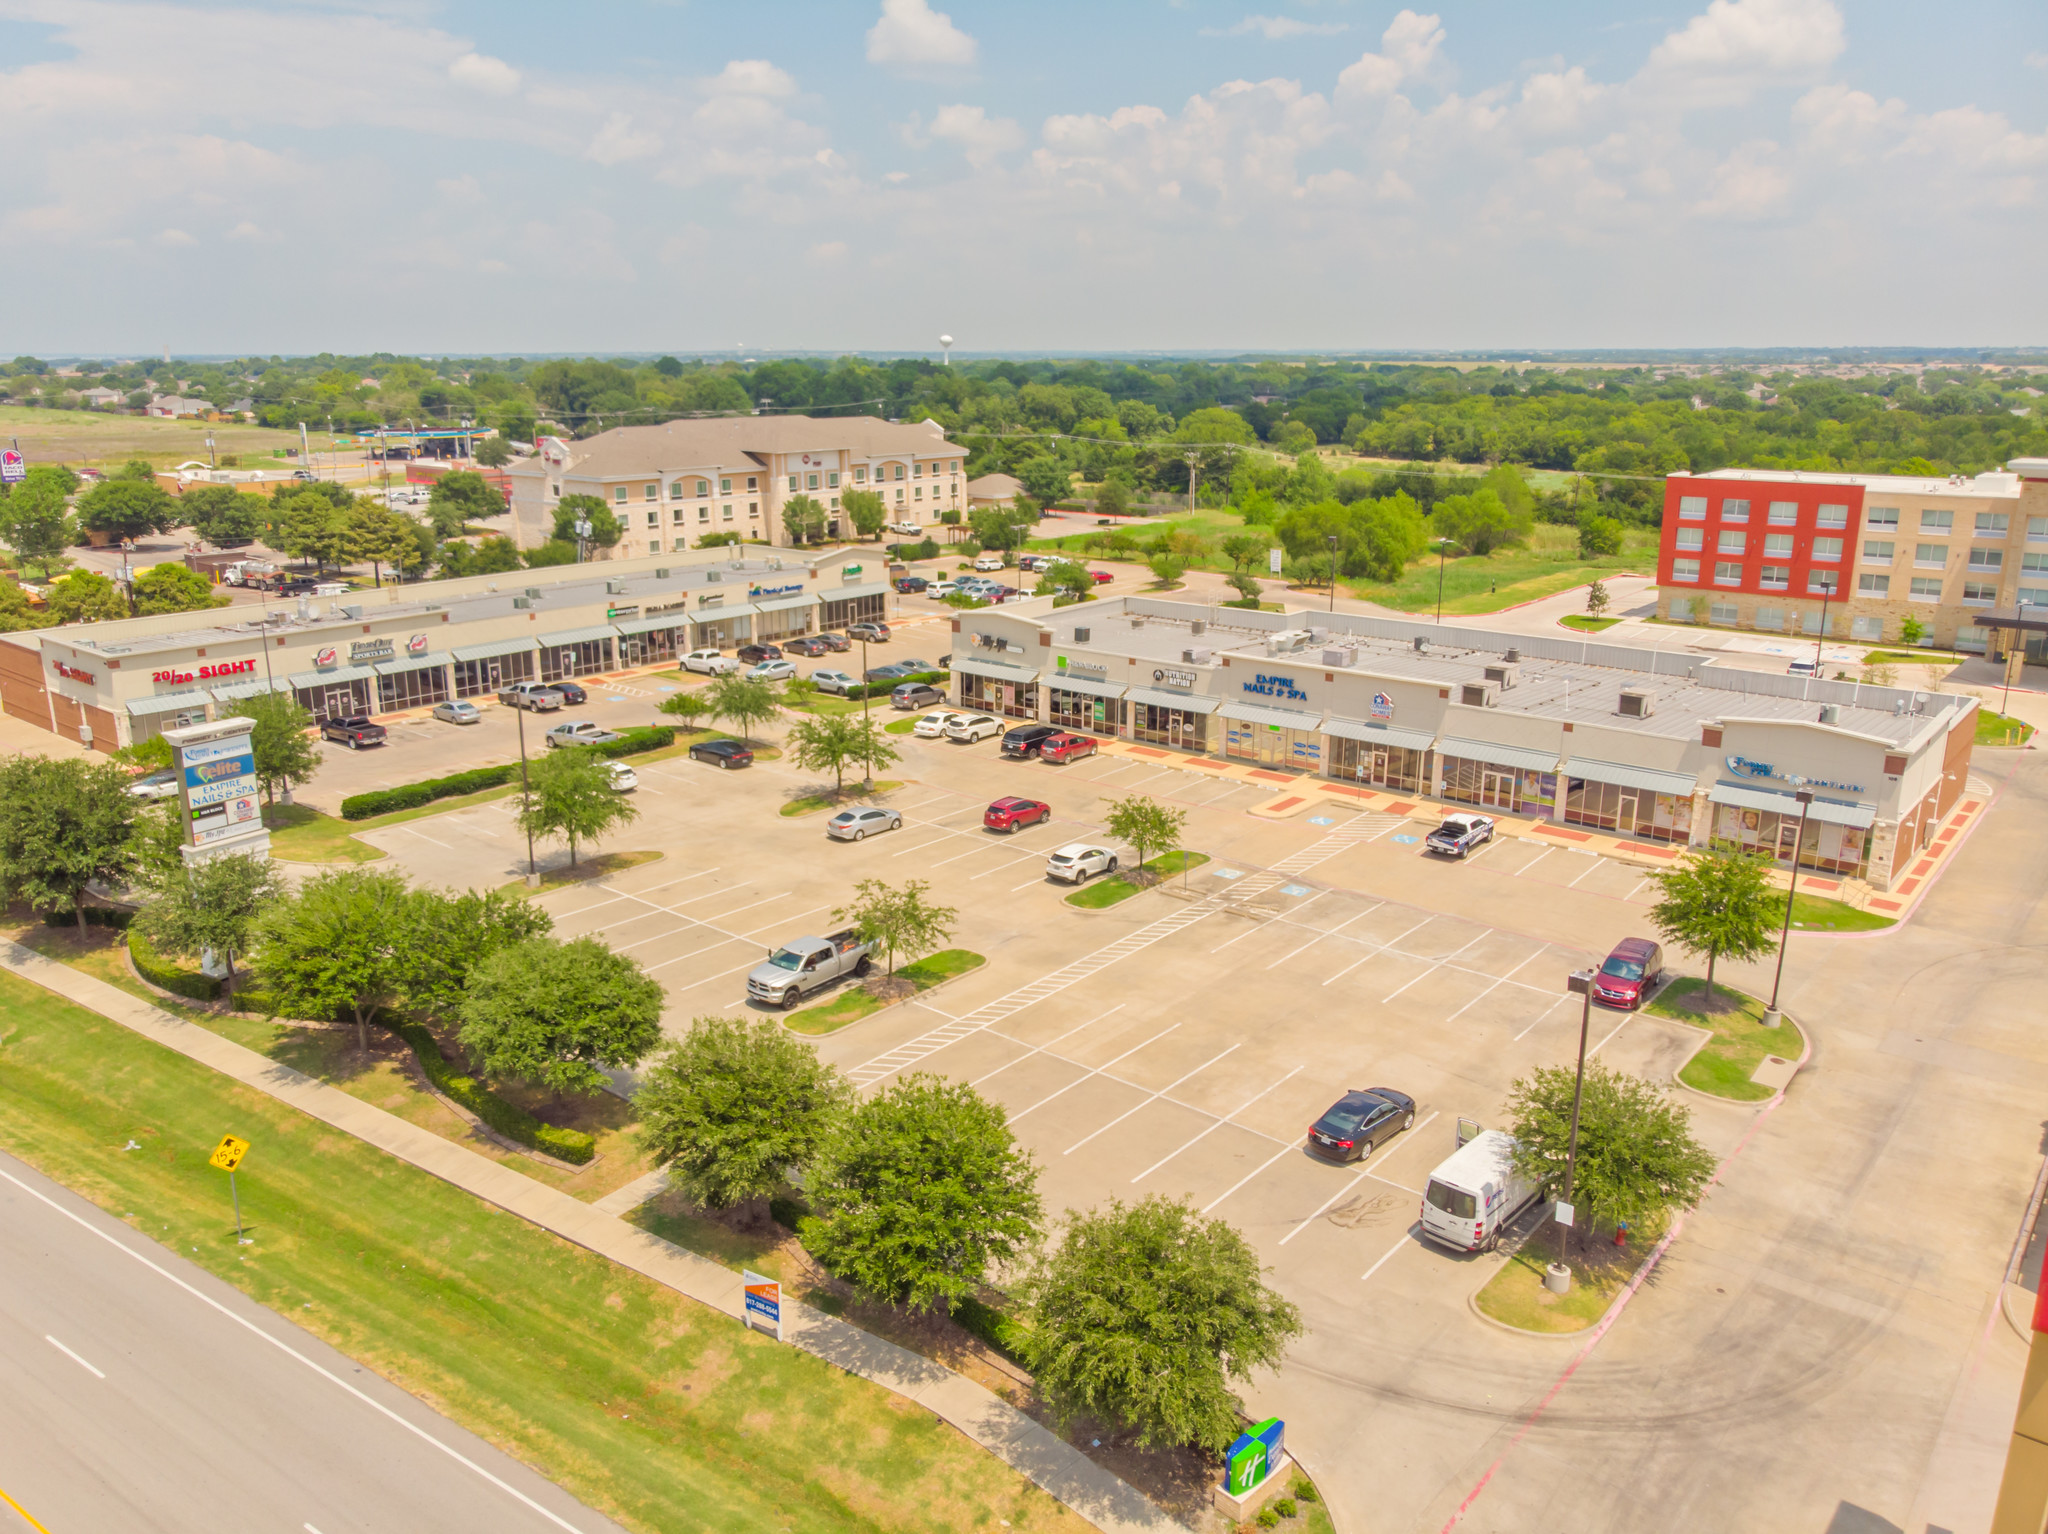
x,y
1276,29
913,38
1408,48
1750,184
751,77
482,73
619,141
1735,47
980,137
827,253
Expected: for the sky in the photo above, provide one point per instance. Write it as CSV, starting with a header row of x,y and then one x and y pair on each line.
x,y
728,179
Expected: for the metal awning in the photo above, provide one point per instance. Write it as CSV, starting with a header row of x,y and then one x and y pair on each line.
x,y
1378,734
1265,713
1623,776
1497,755
336,674
236,691
1088,685
675,620
2024,618
492,649
1832,811
1158,697
577,636
720,614
412,663
995,669
171,702
785,604
842,593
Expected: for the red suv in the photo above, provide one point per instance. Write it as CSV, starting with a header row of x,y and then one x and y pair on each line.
x,y
1009,814
1630,974
1065,748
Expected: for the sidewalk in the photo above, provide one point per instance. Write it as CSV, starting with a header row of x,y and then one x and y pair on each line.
x,y
1055,1466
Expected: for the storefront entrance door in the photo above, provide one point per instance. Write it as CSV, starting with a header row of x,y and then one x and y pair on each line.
x,y
1497,789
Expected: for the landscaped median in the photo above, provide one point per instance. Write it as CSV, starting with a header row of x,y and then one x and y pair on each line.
x,y
1516,1297
1737,1041
859,1001
1119,887
809,804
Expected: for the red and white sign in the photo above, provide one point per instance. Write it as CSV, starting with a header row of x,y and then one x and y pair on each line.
x,y
75,674
819,460
12,469
224,668
417,645
324,657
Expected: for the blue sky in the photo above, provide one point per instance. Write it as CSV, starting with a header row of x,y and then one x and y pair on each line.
x,y
1338,174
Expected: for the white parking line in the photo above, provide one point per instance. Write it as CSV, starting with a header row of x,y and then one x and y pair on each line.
x,y
1434,965
1356,1179
1490,989
1639,884
1542,1015
1022,857
1589,868
426,838
1096,1071
1320,935
53,1342
1028,883
1283,1150
1534,861
1414,1230
1149,1100
1626,1020
1040,1049
1227,1118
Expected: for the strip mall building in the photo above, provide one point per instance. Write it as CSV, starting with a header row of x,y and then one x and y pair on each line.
x,y
1657,747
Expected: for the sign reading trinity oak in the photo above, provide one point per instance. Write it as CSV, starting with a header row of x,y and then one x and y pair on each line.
x,y
370,649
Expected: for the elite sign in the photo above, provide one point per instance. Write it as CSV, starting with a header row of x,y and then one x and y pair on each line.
x,y
217,786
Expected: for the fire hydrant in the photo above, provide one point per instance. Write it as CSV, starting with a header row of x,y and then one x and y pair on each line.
x,y
1621,1233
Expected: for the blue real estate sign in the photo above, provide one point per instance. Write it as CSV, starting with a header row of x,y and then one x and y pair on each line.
x,y
1254,1456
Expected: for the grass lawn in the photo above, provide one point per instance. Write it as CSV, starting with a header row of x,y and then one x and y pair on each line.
x,y
855,1002
810,803
2001,729
1516,1294
586,868
98,438
899,727
1817,913
1483,583
1586,623
1723,1065
1110,891
648,1407
1912,658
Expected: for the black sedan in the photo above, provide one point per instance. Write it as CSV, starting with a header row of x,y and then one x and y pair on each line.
x,y
1027,739
1359,1120
571,693
722,753
910,583
754,654
1460,835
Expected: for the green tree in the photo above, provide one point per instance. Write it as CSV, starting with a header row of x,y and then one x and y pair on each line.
x,y
1214,424
1719,903
1911,629
461,496
488,556
307,524
866,510
1598,536
1246,549
169,588
570,794
126,508
85,596
560,1014
733,1105
343,944
833,742
741,701
1248,588
803,519
494,452
1068,576
63,825
460,930
1637,1155
1146,824
686,704
210,906
140,470
1144,1315
16,613
221,514
546,555
1597,598
919,1190
998,528
1167,568
1479,523
285,756
1046,480
1112,500
605,528
36,523
379,536
898,920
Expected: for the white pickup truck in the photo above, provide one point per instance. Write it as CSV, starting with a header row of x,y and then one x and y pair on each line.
x,y
805,964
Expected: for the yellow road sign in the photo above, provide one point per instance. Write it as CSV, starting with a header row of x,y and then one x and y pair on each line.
x,y
229,1153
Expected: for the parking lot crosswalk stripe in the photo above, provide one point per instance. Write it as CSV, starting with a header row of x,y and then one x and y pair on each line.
x,y
1039,1049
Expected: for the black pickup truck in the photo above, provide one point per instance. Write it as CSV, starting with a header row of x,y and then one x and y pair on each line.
x,y
354,733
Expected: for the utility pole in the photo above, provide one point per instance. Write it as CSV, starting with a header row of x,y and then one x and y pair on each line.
x,y
1559,1279
1771,1017
1442,547
525,796
582,537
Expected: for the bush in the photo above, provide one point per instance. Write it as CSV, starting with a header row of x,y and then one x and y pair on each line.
x,y
788,1210
164,975
262,1003
1306,1491
1269,1518
513,1122
992,1326
95,916
1285,1507
411,796
939,679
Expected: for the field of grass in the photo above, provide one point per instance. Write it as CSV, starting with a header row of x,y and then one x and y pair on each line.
x,y
1586,623
94,439
2001,729
899,727
1817,913
855,1002
648,1407
1516,1296
1740,1041
1116,888
585,868
811,803
302,834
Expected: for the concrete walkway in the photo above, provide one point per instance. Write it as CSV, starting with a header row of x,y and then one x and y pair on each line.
x,y
1055,1466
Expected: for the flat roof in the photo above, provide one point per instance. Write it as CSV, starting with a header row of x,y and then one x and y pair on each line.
x,y
1990,483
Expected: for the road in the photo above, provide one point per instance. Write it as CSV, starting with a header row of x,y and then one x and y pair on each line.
x,y
137,1392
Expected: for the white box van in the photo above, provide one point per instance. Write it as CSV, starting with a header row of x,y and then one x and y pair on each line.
x,y
1475,1194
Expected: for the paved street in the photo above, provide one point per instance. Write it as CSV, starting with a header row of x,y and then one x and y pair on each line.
x,y
138,1392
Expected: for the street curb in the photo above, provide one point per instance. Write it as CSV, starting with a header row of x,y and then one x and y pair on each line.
x,y
1472,1303
782,1018
1805,1054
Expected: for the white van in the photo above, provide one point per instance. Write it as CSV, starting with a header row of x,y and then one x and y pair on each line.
x,y
1475,1194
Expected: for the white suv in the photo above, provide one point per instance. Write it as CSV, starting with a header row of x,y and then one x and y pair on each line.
x,y
989,562
973,727
1074,862
710,662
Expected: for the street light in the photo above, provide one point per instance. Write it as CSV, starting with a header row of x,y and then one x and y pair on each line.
x,y
1333,572
525,796
1827,591
1805,798
867,770
1579,982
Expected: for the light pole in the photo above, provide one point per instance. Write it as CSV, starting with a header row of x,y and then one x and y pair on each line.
x,y
1333,572
867,771
582,536
1559,1279
1805,798
525,797
1827,591
1443,546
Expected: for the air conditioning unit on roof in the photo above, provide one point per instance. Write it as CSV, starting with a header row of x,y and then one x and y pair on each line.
x,y
1480,695
1507,673
1636,703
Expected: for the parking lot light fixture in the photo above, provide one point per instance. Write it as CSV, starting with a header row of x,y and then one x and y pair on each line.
x,y
1772,1017
1580,983
525,789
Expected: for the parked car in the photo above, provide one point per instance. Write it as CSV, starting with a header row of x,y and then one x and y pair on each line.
x,y
1067,747
1631,973
854,825
1460,835
912,664
722,753
331,589
1476,1193
754,654
833,681
906,529
156,785
809,645
772,671
572,693
709,662
1076,861
912,583
1360,1119
458,711
799,967
910,695
1009,814
873,633
933,725
838,643
988,561
973,728
540,697
623,778
580,732
1027,740
890,673
354,732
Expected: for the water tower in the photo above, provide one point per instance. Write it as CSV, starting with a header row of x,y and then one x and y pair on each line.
x,y
947,343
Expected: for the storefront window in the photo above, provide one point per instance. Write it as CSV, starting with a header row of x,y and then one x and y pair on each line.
x,y
721,633
558,661
1637,812
1522,790
480,678
645,649
1084,711
335,700
1013,700
418,688
1273,745
1361,761
868,609
1826,848
1165,726
786,624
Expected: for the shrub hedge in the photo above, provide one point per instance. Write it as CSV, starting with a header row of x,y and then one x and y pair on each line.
x,y
993,1327
160,972
513,1122
95,916
410,796
939,679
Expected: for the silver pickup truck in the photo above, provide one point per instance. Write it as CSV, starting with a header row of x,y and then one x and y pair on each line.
x,y
804,964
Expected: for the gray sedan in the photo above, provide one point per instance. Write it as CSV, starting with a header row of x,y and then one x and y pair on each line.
x,y
458,711
854,825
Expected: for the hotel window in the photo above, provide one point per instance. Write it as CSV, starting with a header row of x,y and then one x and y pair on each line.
x,y
1930,556
2037,529
795,483
753,508
557,490
1987,559
753,482
1777,545
1820,582
725,486
899,495
675,490
1877,551
1770,618
1691,538
1784,513
703,488
1775,577
1937,521
619,495
1735,511
832,481
1827,548
1880,516
1728,572
651,493
1866,628
835,503
2033,563
1926,588
1810,621
654,519
703,513
1832,516
1731,543
810,481
1979,594
1873,585
1722,612
2034,596
682,544
1681,610
725,510
917,471
899,471
1993,524
678,516
918,493
1693,507
1685,569
860,475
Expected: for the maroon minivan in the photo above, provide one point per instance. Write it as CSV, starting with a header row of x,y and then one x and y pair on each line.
x,y
1630,973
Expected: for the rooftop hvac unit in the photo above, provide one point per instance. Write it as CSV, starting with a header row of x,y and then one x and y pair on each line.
x,y
1636,703
352,612
1830,713
522,603
661,572
1512,656
1507,673
1197,657
714,575
1421,644
1081,636
774,562
1137,620
1318,636
1342,655
533,592
1480,695
305,609
614,588
1199,626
